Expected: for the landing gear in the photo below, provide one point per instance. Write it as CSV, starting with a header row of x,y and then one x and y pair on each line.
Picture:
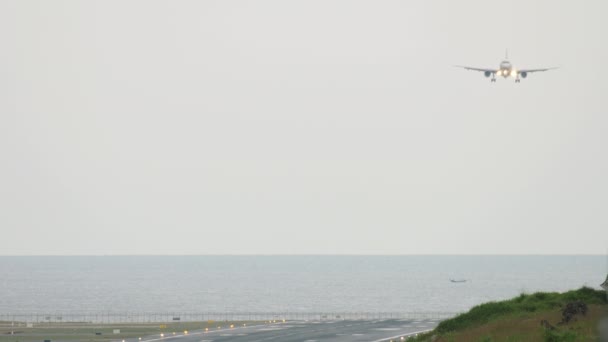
x,y
517,80
493,80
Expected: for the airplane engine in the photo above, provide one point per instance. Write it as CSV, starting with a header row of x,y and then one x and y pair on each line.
x,y
523,74
487,73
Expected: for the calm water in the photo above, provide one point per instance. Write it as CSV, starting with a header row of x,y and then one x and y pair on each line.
x,y
282,283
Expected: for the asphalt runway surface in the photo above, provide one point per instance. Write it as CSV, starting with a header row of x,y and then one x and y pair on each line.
x,y
314,331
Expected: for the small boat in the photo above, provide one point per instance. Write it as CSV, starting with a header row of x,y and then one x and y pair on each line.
x,y
458,280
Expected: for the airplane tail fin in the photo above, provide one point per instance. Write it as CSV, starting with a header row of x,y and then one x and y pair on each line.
x,y
506,54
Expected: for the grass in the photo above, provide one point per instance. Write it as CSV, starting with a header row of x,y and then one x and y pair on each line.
x,y
518,319
86,331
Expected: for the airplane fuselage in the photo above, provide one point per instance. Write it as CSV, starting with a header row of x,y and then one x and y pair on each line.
x,y
506,69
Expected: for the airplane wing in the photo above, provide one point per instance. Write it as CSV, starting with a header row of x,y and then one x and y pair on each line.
x,y
533,70
477,69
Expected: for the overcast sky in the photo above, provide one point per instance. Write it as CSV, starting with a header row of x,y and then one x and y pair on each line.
x,y
302,127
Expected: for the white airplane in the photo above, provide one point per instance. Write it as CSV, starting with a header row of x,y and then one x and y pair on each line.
x,y
505,70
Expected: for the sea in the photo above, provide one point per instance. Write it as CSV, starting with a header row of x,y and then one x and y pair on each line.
x,y
107,284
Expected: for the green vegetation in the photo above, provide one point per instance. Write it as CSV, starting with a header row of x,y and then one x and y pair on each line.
x,y
518,319
87,331
564,336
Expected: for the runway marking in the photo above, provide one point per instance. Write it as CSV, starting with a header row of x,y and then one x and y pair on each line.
x,y
166,338
387,329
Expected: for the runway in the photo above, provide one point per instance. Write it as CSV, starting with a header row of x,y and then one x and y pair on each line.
x,y
314,331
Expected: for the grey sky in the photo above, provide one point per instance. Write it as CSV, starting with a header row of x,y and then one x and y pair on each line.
x,y
280,127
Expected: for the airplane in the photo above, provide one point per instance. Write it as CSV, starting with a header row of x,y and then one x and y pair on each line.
x,y
505,70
